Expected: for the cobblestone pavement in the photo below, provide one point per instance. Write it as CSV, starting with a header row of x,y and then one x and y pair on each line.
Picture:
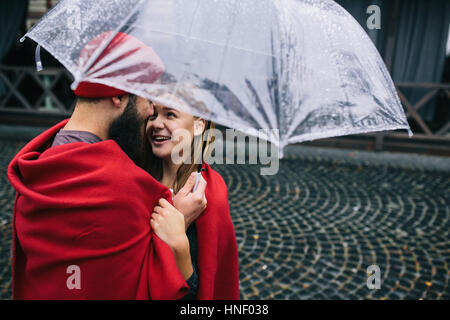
x,y
311,231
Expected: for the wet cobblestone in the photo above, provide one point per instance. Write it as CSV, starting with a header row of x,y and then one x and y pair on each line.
x,y
311,231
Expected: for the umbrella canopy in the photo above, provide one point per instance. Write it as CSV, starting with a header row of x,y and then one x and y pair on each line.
x,y
304,68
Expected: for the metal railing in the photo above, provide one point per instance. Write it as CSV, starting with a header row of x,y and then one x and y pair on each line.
x,y
424,140
412,110
440,136
40,95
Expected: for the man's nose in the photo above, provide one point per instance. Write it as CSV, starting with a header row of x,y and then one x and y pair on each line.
x,y
151,107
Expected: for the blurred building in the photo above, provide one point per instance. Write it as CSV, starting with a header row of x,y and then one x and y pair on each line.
x,y
413,39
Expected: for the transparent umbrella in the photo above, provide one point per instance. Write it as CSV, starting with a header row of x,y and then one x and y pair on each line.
x,y
284,70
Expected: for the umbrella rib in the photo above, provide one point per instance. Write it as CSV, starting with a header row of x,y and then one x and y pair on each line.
x,y
214,42
230,31
188,35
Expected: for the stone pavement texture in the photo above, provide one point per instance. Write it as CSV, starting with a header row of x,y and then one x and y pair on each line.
x,y
311,231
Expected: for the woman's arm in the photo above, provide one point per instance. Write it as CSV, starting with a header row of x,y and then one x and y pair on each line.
x,y
182,256
169,225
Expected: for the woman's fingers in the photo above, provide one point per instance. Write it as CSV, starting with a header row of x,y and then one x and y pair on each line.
x,y
162,212
158,209
154,224
164,203
189,185
168,223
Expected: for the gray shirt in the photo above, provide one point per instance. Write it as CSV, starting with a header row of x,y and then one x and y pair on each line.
x,y
69,136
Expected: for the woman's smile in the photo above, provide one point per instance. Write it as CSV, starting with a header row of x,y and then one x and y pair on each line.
x,y
159,140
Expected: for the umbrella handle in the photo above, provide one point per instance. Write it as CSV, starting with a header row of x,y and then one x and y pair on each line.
x,y
38,58
197,178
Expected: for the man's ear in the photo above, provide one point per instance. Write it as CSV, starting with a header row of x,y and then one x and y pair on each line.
x,y
119,101
199,126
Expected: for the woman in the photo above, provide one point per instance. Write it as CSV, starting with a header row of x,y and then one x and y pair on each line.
x,y
211,238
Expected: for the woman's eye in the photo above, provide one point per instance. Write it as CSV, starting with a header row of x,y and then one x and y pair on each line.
x,y
153,117
171,115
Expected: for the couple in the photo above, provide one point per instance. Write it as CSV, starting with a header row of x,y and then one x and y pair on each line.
x,y
102,211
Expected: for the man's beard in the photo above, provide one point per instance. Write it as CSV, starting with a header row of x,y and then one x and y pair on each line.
x,y
128,132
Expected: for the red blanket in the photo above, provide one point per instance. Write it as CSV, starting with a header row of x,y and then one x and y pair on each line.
x,y
217,248
88,206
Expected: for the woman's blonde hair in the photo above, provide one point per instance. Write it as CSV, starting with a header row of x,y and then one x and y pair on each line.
x,y
203,142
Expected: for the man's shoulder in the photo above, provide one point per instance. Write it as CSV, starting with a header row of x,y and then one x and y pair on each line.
x,y
103,161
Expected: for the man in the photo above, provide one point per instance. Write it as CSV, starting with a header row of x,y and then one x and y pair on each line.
x,y
81,215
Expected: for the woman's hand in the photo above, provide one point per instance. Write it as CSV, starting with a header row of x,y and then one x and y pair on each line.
x,y
168,224
191,204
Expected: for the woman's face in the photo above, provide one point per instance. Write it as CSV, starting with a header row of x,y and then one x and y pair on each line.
x,y
164,125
